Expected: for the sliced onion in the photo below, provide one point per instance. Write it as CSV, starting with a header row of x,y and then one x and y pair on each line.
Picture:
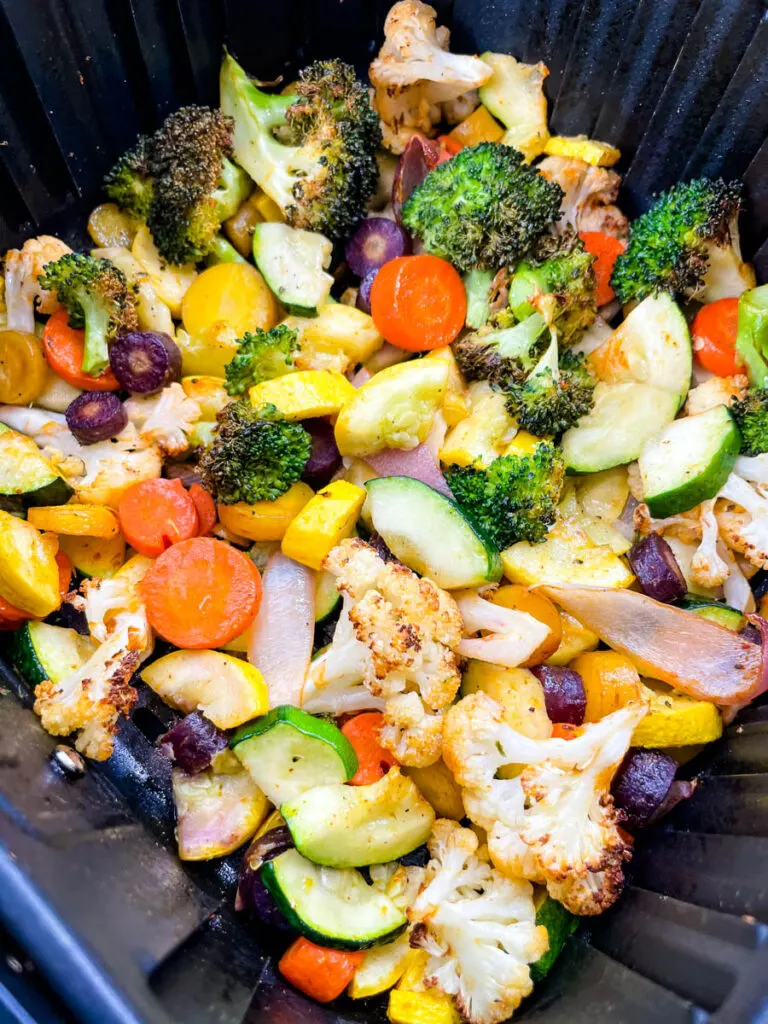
x,y
680,648
193,743
680,790
360,377
656,569
419,463
280,644
419,157
252,894
96,416
625,524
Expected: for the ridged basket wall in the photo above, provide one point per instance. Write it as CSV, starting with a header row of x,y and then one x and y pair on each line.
x,y
90,887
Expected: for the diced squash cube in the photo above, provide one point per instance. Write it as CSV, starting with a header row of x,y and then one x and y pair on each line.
x,y
591,151
437,785
575,640
676,720
480,126
328,518
304,394
421,1008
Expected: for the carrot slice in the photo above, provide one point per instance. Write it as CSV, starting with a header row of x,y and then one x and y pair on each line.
x,y
714,332
320,973
201,593
13,617
63,347
418,302
605,249
206,509
373,761
156,513
566,731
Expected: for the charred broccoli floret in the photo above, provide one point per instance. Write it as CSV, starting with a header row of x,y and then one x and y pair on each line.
x,y
261,355
515,498
559,284
555,396
254,455
484,209
751,415
322,169
97,297
669,245
501,356
129,183
182,182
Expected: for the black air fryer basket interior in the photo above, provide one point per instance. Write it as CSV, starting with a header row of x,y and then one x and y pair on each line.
x,y
91,892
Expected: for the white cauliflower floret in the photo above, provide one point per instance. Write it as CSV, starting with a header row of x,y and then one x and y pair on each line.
x,y
114,604
555,823
590,194
510,637
715,391
414,74
743,522
478,927
165,419
99,473
753,468
397,635
22,288
686,526
708,568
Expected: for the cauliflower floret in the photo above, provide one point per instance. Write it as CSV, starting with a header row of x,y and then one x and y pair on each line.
x,y
715,391
397,634
22,289
478,927
165,419
590,194
114,604
414,74
555,823
708,568
100,472
511,636
753,468
743,521
685,527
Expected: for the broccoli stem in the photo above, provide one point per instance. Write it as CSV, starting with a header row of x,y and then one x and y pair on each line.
x,y
525,284
752,334
477,285
223,251
96,351
234,188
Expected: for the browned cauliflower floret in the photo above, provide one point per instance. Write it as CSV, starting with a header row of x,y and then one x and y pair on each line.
x,y
478,927
416,80
555,823
742,518
22,269
590,195
397,635
715,391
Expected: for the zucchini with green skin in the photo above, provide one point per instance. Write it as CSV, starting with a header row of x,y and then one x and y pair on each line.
x,y
327,596
689,461
26,476
39,651
292,262
715,611
333,908
354,826
289,751
560,924
428,532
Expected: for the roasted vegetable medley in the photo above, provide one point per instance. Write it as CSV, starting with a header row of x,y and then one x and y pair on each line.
x,y
427,490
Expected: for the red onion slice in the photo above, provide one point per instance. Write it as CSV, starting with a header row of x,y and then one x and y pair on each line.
x,y
419,463
419,157
678,647
280,644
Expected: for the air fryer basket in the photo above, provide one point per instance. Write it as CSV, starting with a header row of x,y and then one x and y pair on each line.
x,y
90,887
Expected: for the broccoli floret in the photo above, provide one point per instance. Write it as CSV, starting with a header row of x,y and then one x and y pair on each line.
x,y
129,183
255,455
500,356
515,498
556,394
751,415
322,170
182,182
261,355
97,297
668,246
560,284
484,209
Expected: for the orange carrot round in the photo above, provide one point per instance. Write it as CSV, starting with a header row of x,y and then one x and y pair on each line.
x,y
606,249
320,973
206,509
63,347
418,302
201,593
373,761
714,332
156,513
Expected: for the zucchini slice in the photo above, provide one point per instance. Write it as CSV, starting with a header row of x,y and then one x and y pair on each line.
x,y
40,651
293,263
429,533
290,751
327,596
332,908
26,474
